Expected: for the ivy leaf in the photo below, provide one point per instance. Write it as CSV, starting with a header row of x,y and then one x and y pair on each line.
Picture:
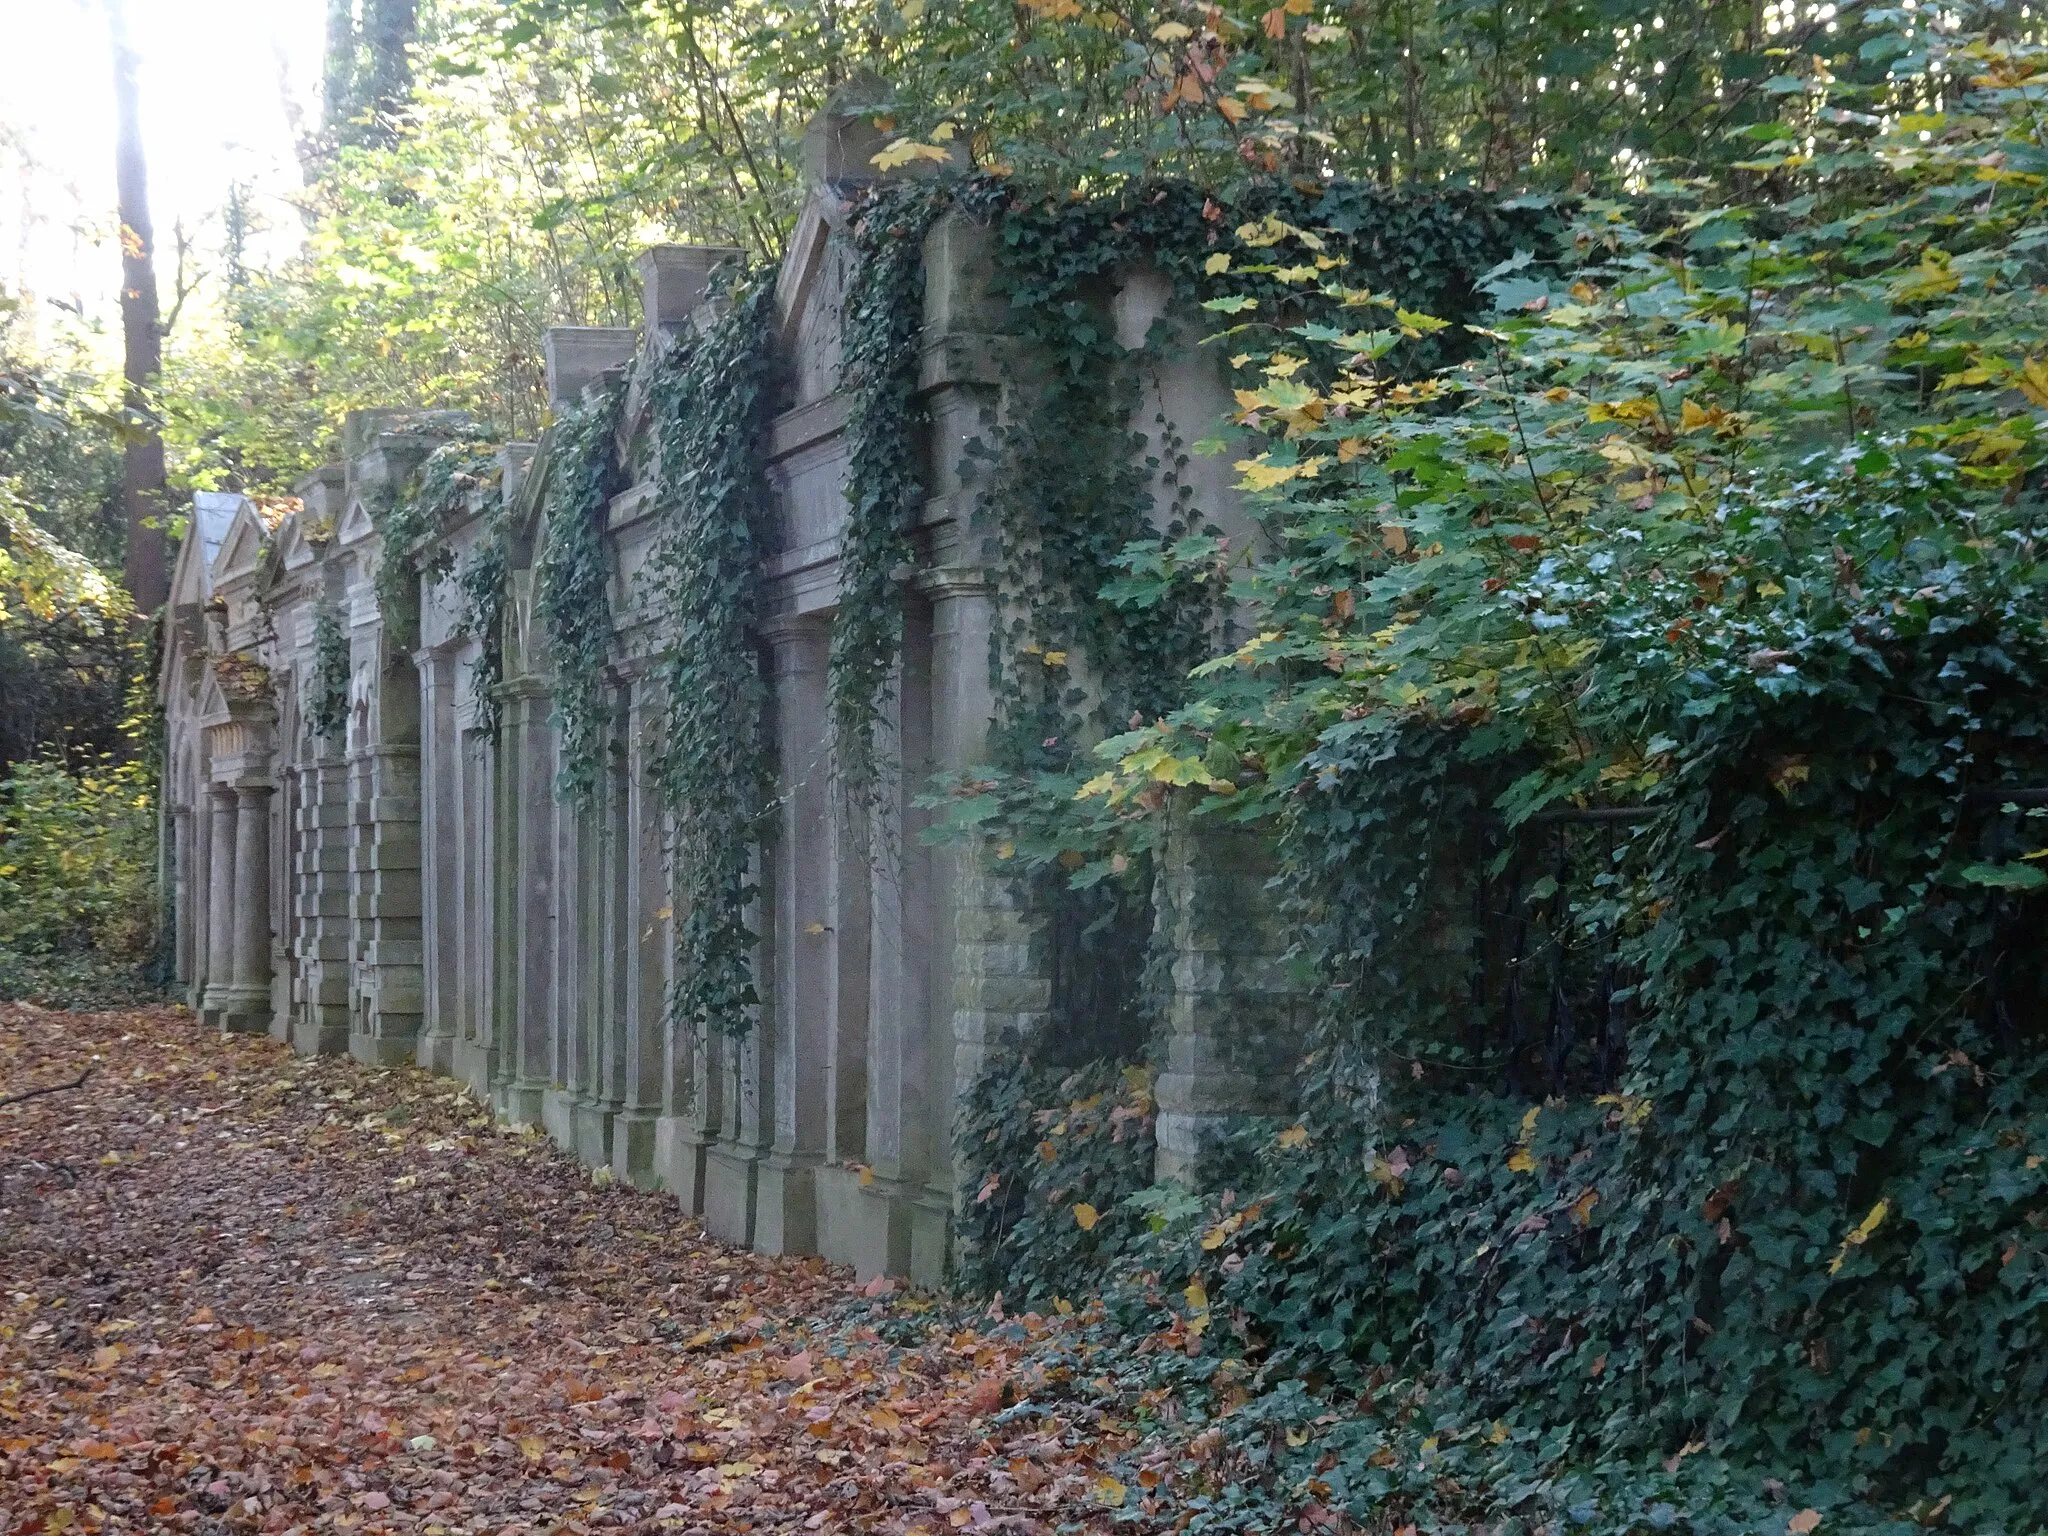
x,y
2009,877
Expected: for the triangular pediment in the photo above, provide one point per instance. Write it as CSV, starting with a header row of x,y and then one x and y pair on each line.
x,y
355,523
213,704
809,299
804,261
188,576
294,550
241,552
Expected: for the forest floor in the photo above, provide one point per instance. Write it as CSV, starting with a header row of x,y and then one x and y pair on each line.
x,y
243,1291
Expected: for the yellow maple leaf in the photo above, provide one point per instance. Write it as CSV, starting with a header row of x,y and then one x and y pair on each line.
x,y
1085,1216
1523,1161
1294,1136
903,151
2033,381
1220,262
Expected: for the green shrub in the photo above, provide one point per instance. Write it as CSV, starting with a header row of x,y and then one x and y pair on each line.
x,y
77,873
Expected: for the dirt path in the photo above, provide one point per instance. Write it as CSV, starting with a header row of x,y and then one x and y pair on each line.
x,y
240,1291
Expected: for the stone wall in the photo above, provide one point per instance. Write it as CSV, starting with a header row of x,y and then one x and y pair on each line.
x,y
407,885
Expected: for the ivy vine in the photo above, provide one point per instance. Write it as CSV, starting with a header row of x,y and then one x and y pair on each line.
x,y
572,581
412,513
710,398
1114,585
882,322
327,703
482,615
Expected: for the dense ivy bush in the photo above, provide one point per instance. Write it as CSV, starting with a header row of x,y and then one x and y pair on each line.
x,y
1734,526
1060,1151
77,880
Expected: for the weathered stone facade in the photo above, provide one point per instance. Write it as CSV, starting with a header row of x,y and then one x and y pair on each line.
x,y
408,886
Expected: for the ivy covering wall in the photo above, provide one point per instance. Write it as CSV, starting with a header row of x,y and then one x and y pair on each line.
x,y
1689,1177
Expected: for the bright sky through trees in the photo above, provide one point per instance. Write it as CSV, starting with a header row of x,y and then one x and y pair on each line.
x,y
216,79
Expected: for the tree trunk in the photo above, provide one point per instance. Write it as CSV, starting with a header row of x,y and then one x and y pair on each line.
x,y
141,335
369,69
389,27
338,86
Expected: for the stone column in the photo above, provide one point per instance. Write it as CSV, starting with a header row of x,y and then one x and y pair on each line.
x,y
249,1010
183,897
692,1099
527,905
642,945
441,852
786,1215
1235,1016
220,904
475,1048
924,1012
385,855
319,1024
739,1077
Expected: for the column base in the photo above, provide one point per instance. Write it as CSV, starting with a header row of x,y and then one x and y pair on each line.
x,y
786,1203
518,1103
591,1133
382,1050
320,1032
731,1182
558,1117
883,1227
633,1148
681,1157
474,1064
435,1053
237,1010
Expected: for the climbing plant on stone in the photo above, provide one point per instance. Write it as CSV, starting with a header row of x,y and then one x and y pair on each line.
x,y
883,318
709,402
572,580
327,705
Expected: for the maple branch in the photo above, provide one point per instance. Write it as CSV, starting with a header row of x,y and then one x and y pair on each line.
x,y
36,1093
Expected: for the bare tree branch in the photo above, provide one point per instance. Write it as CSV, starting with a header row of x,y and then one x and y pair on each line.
x,y
36,1093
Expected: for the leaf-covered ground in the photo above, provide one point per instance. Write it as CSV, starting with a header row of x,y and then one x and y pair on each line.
x,y
241,1291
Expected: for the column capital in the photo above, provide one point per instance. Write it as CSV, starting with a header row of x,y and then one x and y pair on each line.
x,y
787,629
952,581
800,642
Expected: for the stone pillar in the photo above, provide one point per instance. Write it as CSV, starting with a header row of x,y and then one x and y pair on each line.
x,y
583,1012
1235,1018
319,1025
801,855
220,904
475,1046
922,940
527,905
249,1011
441,852
184,899
692,1101
641,945
385,861
740,1073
